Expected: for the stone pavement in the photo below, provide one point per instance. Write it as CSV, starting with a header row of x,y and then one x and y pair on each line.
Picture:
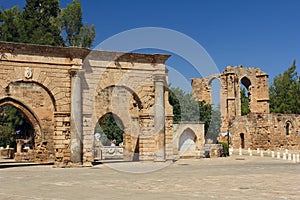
x,y
236,177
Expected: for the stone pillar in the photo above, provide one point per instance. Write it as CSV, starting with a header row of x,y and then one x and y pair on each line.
x,y
159,118
76,117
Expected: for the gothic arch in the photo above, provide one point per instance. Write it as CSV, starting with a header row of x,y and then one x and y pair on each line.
x,y
288,127
187,142
33,119
246,82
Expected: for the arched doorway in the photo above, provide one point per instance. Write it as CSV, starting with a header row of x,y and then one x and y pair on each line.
x,y
187,143
125,105
108,136
20,130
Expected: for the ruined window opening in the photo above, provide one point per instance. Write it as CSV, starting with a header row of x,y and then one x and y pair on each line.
x,y
287,128
242,137
245,95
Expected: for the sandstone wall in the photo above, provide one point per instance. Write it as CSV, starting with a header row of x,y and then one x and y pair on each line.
x,y
255,80
124,84
36,80
266,131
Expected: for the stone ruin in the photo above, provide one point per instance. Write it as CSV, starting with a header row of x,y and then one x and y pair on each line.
x,y
260,128
65,91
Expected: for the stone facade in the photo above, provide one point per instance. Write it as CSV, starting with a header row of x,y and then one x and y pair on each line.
x,y
256,82
65,91
266,131
258,129
132,87
36,80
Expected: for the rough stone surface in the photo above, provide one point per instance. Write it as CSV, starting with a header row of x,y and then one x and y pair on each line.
x,y
255,80
266,131
40,82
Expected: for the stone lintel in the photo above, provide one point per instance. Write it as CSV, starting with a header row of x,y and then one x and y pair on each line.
x,y
45,50
127,57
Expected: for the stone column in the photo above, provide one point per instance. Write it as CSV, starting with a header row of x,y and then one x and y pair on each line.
x,y
76,117
159,118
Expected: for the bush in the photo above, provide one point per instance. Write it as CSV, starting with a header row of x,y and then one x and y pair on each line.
x,y
225,149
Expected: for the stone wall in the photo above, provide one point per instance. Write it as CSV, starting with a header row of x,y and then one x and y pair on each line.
x,y
126,85
256,82
36,80
266,131
65,91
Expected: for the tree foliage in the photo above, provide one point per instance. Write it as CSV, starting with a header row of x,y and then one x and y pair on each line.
x,y
43,22
38,23
285,92
186,108
10,22
244,102
77,33
110,129
214,126
13,125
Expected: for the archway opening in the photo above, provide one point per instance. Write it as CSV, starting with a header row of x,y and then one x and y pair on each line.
x,y
108,135
16,132
187,143
213,131
288,127
245,95
242,139
109,130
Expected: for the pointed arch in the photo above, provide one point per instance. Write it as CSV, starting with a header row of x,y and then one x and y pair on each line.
x,y
187,141
29,114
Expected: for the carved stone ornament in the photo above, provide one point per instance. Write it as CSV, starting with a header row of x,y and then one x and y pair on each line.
x,y
28,73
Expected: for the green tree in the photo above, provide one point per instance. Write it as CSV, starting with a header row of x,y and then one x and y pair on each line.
x,y
39,23
12,121
214,126
186,108
43,22
110,128
77,34
10,23
285,92
244,102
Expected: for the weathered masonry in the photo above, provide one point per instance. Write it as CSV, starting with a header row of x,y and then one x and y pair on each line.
x,y
65,91
258,129
256,82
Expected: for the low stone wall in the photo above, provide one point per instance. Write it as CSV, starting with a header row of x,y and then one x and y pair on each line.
x,y
109,152
7,153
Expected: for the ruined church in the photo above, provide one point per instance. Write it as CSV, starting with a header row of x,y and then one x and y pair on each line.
x,y
64,92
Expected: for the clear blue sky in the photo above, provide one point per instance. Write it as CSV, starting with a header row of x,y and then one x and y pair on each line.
x,y
256,33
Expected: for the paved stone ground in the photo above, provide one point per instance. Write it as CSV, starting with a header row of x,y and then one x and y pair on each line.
x,y
221,178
